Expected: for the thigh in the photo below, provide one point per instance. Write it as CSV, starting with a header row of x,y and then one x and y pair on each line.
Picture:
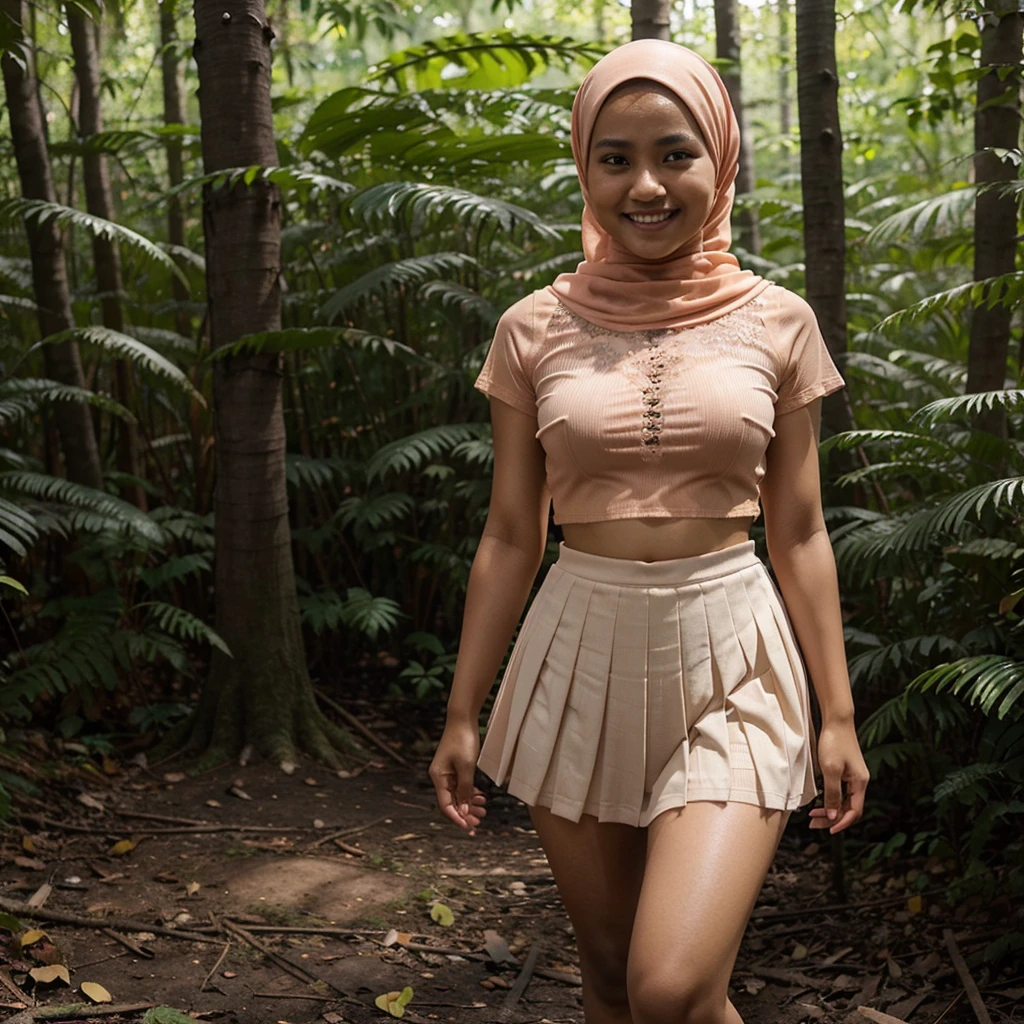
x,y
706,863
599,870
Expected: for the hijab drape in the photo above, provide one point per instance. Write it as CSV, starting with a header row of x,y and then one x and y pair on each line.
x,y
699,281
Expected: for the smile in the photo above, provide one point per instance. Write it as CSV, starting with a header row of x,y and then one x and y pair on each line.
x,y
650,220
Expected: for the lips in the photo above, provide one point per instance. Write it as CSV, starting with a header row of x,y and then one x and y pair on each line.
x,y
661,214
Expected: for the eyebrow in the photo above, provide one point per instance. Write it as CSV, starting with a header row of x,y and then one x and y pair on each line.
x,y
665,140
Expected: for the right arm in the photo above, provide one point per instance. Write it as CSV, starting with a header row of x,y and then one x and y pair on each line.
x,y
504,568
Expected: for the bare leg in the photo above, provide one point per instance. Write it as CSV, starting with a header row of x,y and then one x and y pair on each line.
x,y
598,869
706,863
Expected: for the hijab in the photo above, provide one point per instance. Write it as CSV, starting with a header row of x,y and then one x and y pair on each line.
x,y
699,281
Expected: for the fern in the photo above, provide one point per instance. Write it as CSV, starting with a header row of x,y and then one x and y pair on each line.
x,y
176,622
967,405
300,339
18,529
359,610
20,396
42,211
899,655
126,347
984,681
175,570
924,220
409,453
1005,290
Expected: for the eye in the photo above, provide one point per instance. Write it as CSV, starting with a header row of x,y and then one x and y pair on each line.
x,y
684,154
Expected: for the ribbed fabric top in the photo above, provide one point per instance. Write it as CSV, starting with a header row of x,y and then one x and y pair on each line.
x,y
664,423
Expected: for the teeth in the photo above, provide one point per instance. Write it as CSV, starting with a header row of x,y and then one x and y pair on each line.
x,y
649,218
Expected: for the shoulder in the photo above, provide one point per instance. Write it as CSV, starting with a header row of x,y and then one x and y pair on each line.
x,y
786,305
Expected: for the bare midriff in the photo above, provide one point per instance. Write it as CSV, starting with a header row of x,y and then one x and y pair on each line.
x,y
656,540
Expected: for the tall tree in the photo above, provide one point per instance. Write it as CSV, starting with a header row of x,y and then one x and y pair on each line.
x,y
785,102
46,246
996,127
821,175
650,19
727,47
85,39
262,694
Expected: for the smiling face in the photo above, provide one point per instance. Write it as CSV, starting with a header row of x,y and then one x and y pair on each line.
x,y
648,157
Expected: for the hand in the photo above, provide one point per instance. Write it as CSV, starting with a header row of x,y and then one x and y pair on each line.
x,y
451,771
841,761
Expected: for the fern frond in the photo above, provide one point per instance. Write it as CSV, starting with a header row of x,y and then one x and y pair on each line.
x,y
127,347
967,405
22,395
961,779
301,339
982,681
18,529
900,655
42,211
175,569
1004,290
408,453
937,215
184,625
110,513
375,512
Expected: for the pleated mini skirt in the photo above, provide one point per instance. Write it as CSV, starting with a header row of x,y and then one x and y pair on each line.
x,y
634,687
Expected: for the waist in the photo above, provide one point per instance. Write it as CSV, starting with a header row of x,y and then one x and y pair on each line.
x,y
654,540
669,572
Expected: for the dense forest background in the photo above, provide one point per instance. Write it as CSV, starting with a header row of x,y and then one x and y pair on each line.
x,y
267,298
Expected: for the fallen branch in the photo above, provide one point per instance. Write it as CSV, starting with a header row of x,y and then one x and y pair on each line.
x,y
124,923
878,1016
977,1004
555,975
146,954
5,980
360,728
766,914
75,1011
294,995
515,993
790,977
166,818
61,826
346,832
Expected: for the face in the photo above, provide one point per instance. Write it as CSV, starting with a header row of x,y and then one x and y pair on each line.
x,y
647,156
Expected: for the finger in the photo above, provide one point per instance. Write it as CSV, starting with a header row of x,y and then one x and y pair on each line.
x,y
833,794
464,790
847,819
452,813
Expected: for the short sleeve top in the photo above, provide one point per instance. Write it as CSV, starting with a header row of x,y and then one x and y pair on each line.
x,y
672,422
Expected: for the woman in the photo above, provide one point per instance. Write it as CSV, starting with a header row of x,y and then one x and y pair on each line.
x,y
654,714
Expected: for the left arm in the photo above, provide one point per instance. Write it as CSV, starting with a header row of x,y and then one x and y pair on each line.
x,y
801,556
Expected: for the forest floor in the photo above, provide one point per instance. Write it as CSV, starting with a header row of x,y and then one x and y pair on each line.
x,y
268,857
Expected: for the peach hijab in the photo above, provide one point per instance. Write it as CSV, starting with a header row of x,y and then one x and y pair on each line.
x,y
699,281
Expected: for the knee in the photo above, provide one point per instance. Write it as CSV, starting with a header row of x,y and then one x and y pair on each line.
x,y
604,975
674,998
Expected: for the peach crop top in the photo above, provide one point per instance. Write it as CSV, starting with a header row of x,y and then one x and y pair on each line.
x,y
657,423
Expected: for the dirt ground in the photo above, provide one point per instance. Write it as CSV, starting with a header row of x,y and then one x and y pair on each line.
x,y
267,857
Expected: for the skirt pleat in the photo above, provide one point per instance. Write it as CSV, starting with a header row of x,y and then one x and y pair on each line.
x,y
635,687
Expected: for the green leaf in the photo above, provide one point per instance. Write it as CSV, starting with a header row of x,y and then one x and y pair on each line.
x,y
166,1015
8,581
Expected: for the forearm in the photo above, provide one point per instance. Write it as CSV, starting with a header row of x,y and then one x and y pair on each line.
x,y
499,584
806,572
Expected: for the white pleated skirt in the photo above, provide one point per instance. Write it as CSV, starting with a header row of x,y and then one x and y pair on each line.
x,y
637,686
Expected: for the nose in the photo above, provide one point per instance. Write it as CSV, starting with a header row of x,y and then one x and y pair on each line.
x,y
646,185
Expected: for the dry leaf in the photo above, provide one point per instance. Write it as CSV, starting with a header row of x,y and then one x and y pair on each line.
x,y
878,1017
394,1002
119,849
31,937
442,914
311,782
110,766
174,776
239,792
404,836
192,888
799,953
95,991
40,896
29,864
497,947
914,904
213,803
47,975
27,845
318,823
229,974
91,801
754,985
391,938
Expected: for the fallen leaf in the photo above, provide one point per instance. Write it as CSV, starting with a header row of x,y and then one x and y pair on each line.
x,y
318,823
213,803
91,801
119,849
110,766
192,888
799,953
96,992
878,1017
174,776
442,914
812,1011
754,985
40,896
27,845
497,947
239,792
229,974
895,971
48,975
406,835
10,923
914,904
31,937
394,1002
29,864
311,782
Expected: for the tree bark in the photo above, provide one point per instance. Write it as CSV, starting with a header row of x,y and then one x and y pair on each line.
x,y
996,124
650,19
727,47
262,695
785,99
99,201
49,273
821,173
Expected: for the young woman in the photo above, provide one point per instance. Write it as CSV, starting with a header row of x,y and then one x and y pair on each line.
x,y
654,714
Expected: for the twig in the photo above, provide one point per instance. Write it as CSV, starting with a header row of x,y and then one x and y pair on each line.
x,y
166,818
75,1011
878,1016
360,728
126,924
515,993
131,944
220,960
347,832
181,830
790,977
40,896
5,980
311,930
956,999
294,995
555,975
349,848
977,1004
766,914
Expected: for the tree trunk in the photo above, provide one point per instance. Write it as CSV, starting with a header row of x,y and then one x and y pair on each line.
x,y
996,124
727,47
262,695
49,273
99,201
785,57
651,19
821,173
